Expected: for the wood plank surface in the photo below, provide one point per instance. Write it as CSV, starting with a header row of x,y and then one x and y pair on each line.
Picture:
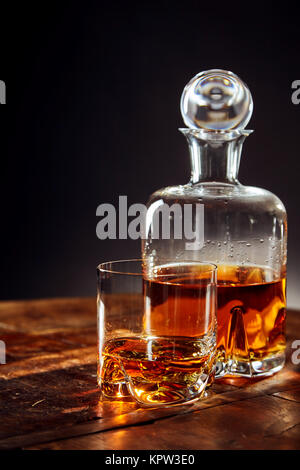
x,y
50,399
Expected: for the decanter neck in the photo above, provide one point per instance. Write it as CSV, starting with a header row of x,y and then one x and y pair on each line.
x,y
215,155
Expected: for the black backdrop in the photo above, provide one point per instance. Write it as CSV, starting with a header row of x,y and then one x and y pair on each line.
x,y
92,113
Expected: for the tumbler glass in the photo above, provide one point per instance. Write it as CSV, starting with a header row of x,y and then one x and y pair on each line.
x,y
156,332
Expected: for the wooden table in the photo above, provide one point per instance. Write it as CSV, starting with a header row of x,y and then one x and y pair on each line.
x,y
50,400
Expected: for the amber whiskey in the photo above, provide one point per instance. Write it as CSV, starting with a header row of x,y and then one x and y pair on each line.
x,y
251,312
157,370
172,361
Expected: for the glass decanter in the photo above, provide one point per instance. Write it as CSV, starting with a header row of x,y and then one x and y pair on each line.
x,y
242,229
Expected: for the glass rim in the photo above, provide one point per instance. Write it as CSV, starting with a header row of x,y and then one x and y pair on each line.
x,y
103,267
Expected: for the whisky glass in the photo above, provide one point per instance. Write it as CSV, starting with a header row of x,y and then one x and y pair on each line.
x,y
156,331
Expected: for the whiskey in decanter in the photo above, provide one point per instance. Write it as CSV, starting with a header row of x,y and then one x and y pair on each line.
x,y
243,228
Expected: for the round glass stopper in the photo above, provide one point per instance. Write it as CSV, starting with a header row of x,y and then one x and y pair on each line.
x,y
216,100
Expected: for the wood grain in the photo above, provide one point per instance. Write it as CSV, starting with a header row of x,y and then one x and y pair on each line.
x,y
258,423
50,399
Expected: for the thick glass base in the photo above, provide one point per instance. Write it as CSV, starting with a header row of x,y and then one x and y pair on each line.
x,y
155,394
160,396
256,368
114,390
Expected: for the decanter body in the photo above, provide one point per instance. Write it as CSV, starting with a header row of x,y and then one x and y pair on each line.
x,y
241,229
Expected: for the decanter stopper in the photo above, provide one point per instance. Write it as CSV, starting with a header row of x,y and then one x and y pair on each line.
x,y
216,100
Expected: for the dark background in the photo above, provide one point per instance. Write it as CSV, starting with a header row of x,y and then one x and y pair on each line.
x,y
92,113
